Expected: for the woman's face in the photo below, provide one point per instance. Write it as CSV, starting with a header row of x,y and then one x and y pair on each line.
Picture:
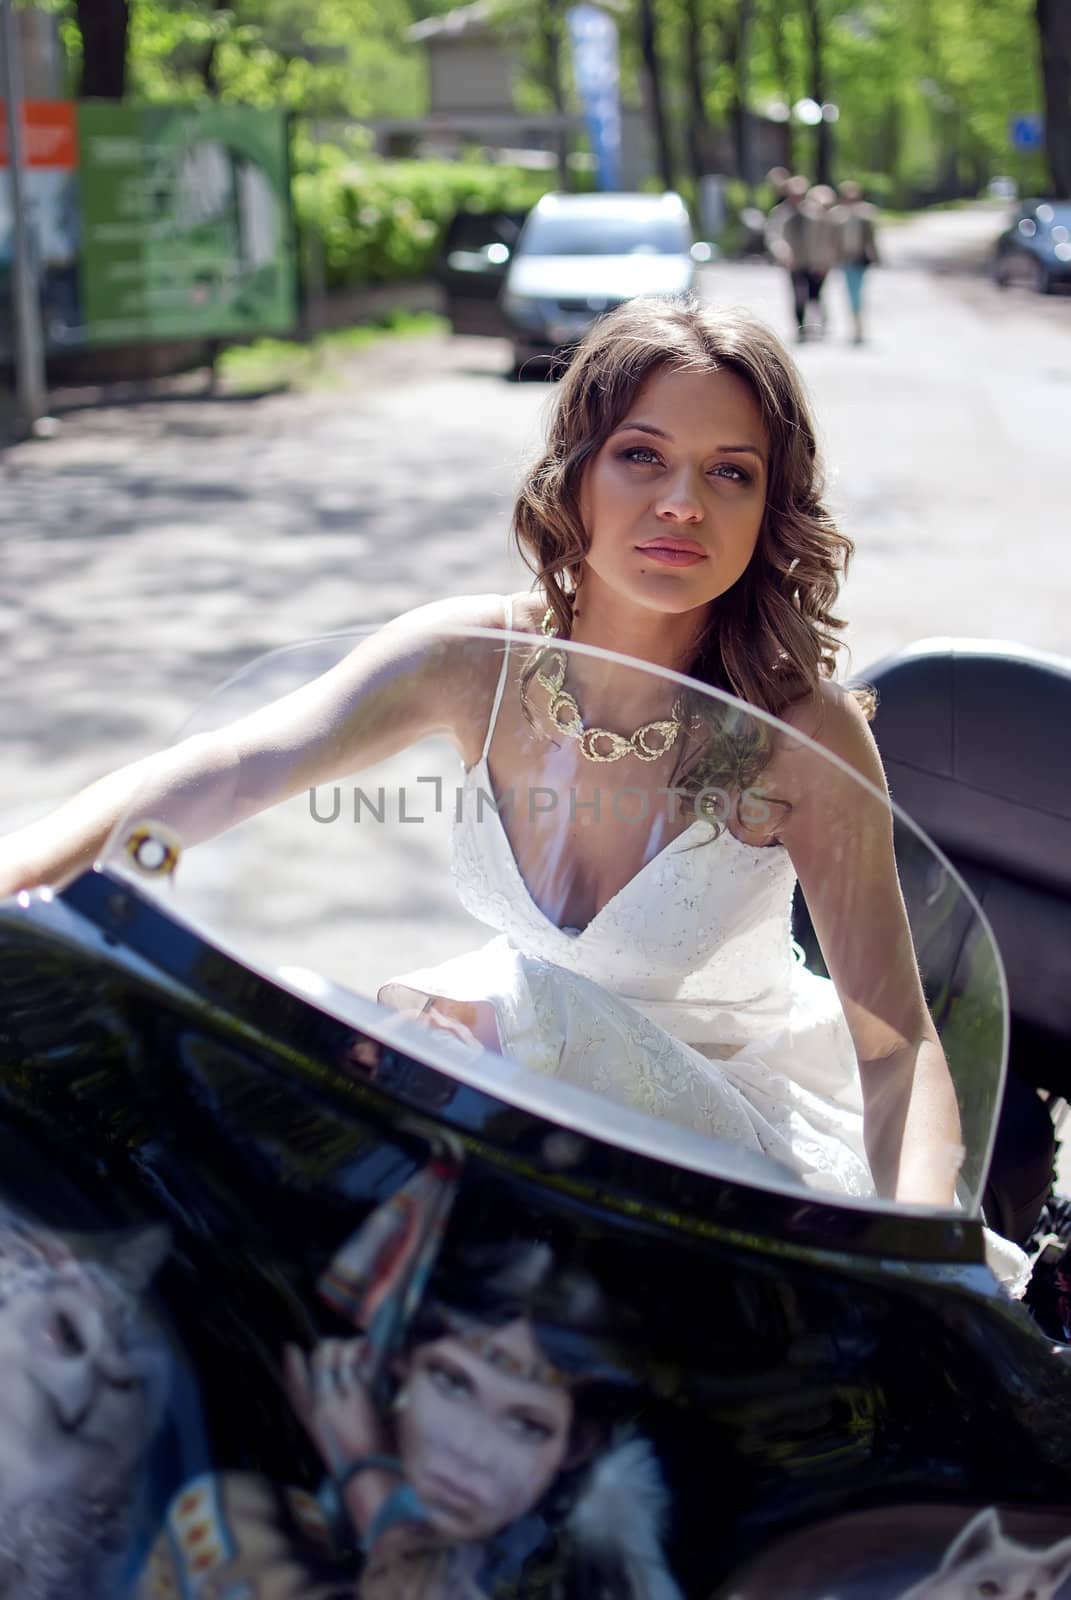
x,y
479,1445
673,501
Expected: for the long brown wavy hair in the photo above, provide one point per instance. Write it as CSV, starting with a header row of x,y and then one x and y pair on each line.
x,y
773,634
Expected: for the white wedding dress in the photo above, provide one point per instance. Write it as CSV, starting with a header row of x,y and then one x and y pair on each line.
x,y
685,997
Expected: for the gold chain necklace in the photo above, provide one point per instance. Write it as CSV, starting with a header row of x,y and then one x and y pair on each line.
x,y
599,744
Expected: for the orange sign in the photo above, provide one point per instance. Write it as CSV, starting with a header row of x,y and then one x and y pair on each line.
x,y
49,135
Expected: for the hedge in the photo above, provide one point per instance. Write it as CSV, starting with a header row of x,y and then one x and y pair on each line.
x,y
379,221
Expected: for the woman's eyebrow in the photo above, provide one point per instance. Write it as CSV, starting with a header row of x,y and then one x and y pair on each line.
x,y
660,433
743,449
642,427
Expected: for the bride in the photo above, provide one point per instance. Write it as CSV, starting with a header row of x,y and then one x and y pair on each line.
x,y
676,517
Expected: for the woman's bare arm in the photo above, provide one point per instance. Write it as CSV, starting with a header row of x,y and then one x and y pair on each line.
x,y
840,839
412,678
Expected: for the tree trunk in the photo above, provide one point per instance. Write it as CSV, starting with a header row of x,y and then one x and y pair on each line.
x,y
889,144
816,39
652,65
208,73
1054,29
783,70
733,45
550,37
104,25
745,122
697,137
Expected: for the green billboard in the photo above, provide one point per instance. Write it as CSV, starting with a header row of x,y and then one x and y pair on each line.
x,y
186,230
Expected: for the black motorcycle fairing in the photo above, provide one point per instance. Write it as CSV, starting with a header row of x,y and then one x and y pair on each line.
x,y
802,1344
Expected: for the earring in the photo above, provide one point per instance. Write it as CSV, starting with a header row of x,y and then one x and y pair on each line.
x,y
400,1401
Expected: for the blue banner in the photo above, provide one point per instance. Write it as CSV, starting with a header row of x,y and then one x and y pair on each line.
x,y
593,38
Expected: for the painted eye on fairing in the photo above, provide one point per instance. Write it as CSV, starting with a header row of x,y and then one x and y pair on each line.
x,y
448,1380
533,1430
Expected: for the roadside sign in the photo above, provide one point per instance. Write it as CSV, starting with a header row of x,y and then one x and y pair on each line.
x,y
146,223
185,222
1025,132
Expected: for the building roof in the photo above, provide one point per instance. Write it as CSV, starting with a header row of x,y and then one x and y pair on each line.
x,y
475,18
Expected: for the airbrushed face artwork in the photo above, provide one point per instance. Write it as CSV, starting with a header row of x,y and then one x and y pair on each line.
x,y
482,1433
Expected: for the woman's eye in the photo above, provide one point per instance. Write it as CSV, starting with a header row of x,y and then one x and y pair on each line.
x,y
730,470
530,1429
447,1381
642,454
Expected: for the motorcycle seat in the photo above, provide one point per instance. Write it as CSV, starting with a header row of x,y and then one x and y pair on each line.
x,y
974,738
974,735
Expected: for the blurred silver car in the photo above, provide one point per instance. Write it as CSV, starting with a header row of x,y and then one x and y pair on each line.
x,y
579,255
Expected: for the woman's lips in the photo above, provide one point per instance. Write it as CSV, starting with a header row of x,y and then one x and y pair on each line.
x,y
452,1497
674,552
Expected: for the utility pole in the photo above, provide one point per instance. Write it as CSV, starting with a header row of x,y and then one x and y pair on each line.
x,y
28,347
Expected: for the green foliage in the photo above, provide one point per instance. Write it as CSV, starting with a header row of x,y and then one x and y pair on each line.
x,y
320,57
925,92
382,220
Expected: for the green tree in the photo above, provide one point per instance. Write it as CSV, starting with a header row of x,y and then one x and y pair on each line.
x,y
326,58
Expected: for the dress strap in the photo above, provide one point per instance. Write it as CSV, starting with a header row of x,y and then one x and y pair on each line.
x,y
501,681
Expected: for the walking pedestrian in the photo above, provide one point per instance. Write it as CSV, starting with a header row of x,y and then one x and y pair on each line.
x,y
813,239
857,247
783,241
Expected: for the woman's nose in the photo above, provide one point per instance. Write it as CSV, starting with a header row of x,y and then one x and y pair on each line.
x,y
680,500
473,1445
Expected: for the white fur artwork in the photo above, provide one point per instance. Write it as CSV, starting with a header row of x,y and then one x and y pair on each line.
x,y
84,1388
982,1563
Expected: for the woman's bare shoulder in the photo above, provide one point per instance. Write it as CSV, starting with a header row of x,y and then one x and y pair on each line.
x,y
831,718
442,651
469,611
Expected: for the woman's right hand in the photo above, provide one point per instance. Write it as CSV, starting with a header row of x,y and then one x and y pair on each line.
x,y
328,1393
331,1399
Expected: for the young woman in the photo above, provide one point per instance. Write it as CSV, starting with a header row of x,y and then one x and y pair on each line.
x,y
676,517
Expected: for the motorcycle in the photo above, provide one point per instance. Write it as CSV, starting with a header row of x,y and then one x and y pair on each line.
x,y
307,1291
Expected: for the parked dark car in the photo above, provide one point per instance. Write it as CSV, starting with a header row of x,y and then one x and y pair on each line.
x,y
472,266
1035,251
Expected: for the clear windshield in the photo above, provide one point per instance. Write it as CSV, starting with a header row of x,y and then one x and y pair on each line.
x,y
600,891
623,235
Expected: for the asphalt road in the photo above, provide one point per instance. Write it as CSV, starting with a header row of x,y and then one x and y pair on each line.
x,y
150,551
